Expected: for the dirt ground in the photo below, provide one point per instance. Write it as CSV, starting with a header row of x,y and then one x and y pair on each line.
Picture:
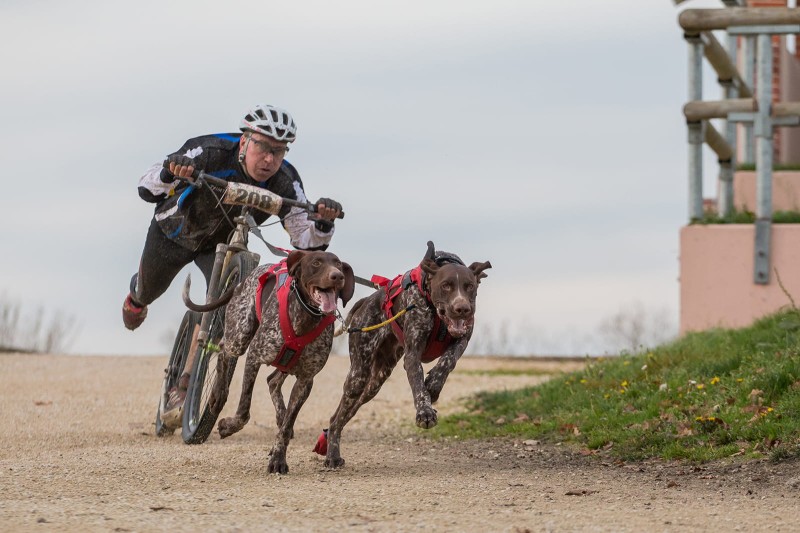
x,y
77,452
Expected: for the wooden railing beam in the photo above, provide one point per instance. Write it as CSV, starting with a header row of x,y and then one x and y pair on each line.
x,y
723,65
694,21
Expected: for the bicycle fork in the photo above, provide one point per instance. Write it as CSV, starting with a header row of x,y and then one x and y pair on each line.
x,y
200,336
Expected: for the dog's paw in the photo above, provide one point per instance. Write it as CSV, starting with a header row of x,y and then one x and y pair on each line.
x,y
426,417
333,462
277,465
227,427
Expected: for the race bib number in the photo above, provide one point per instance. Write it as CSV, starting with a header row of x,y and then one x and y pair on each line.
x,y
243,194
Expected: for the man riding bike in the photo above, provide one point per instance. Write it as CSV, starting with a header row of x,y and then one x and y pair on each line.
x,y
189,222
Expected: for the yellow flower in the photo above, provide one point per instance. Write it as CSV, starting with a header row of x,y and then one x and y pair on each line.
x,y
739,380
624,384
583,380
714,380
700,385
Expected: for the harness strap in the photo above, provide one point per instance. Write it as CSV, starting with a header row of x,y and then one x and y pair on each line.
x,y
283,252
293,345
440,338
280,272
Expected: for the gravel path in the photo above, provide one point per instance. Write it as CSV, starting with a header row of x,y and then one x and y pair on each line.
x,y
77,453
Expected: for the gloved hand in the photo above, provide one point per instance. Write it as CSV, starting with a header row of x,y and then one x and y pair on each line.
x,y
327,210
177,165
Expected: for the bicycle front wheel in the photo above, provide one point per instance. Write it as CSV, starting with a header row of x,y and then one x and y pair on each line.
x,y
198,416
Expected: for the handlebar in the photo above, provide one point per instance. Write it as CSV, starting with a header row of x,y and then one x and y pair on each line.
x,y
249,195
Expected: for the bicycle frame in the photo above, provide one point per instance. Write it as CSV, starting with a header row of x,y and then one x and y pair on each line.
x,y
222,256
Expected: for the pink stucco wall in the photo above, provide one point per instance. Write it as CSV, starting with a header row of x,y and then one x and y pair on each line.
x,y
785,190
716,275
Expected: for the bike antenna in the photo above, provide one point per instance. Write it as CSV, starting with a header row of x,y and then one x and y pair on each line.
x,y
280,252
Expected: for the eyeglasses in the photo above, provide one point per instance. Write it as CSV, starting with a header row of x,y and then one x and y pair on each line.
x,y
263,148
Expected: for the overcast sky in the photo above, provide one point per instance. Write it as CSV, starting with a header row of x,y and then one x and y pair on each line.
x,y
546,137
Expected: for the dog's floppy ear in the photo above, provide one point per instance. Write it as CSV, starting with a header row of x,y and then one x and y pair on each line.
x,y
346,294
429,266
478,268
293,261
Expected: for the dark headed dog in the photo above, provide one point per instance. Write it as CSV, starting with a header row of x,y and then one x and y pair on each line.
x,y
308,289
439,297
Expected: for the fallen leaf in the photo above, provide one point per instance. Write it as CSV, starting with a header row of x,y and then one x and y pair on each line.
x,y
755,395
567,428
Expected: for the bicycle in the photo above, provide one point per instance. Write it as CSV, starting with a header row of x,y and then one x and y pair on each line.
x,y
232,263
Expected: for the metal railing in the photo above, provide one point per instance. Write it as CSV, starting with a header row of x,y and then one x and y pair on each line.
x,y
741,104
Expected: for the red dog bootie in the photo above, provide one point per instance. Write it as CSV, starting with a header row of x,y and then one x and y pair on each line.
x,y
322,443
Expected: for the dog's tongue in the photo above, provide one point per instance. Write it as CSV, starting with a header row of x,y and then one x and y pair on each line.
x,y
457,328
326,301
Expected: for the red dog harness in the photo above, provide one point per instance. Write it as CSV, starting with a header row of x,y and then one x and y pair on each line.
x,y
293,345
440,339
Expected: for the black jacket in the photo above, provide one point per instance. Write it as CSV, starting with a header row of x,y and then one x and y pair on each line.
x,y
191,216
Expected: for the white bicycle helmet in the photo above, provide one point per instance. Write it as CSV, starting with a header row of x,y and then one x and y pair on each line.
x,y
270,121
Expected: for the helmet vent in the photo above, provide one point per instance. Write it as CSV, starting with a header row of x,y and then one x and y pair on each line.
x,y
270,121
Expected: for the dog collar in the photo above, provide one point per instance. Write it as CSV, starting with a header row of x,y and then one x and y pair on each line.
x,y
316,311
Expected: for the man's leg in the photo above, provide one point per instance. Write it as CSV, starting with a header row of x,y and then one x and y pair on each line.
x,y
161,261
205,262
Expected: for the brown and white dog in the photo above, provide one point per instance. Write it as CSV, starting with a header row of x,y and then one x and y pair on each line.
x,y
439,297
319,280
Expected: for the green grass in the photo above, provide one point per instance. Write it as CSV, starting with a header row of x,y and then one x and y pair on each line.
x,y
748,217
507,372
777,166
706,396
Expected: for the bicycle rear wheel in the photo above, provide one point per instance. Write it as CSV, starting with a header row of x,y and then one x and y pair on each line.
x,y
198,416
177,361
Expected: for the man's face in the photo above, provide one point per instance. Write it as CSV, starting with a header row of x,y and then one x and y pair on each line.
x,y
264,155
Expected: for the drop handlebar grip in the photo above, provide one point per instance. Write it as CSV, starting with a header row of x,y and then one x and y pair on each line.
x,y
199,177
308,206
